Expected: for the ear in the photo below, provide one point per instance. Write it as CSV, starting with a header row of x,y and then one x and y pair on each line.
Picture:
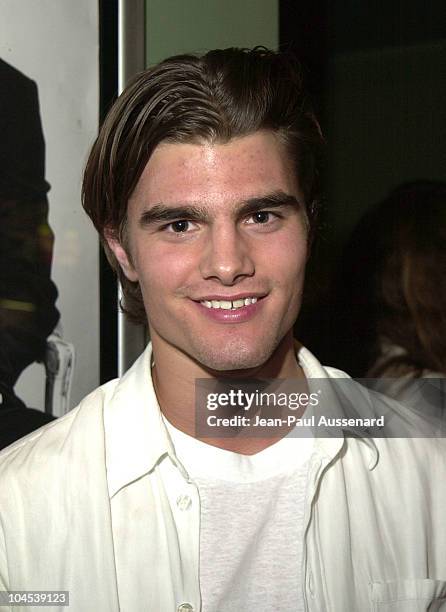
x,y
121,255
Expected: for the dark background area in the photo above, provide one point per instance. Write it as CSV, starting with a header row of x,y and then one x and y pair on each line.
x,y
376,72
108,288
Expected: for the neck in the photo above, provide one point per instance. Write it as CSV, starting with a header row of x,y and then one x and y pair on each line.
x,y
174,374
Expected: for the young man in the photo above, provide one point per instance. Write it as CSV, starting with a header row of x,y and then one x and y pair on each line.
x,y
203,185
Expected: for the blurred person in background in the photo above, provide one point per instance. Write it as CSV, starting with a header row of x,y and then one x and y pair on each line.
x,y
392,300
393,297
27,295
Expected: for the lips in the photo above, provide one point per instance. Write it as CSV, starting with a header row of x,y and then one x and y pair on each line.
x,y
231,311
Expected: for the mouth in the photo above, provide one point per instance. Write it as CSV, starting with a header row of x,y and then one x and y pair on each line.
x,y
233,304
233,309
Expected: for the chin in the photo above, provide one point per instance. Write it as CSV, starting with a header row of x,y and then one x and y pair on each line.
x,y
234,357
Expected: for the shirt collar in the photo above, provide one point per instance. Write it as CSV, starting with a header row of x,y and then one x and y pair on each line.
x,y
136,438
331,446
135,435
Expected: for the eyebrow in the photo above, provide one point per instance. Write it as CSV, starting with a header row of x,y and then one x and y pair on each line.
x,y
162,213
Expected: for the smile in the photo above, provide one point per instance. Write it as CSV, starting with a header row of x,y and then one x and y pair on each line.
x,y
238,310
229,305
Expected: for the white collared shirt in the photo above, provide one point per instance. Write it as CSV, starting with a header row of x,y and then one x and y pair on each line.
x,y
374,527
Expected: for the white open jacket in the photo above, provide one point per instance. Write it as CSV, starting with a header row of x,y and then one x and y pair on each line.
x,y
375,523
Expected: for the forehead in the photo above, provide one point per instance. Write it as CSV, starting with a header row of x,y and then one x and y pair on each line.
x,y
216,173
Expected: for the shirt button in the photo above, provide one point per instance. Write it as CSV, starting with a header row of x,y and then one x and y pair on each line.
x,y
183,503
185,607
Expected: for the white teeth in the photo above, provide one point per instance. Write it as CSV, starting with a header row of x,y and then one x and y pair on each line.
x,y
228,305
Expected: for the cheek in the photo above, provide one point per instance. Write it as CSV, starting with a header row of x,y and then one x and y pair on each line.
x,y
287,259
163,270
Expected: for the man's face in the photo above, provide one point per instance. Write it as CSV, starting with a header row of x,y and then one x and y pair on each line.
x,y
211,226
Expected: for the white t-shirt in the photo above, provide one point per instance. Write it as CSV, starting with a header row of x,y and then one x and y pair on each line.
x,y
251,523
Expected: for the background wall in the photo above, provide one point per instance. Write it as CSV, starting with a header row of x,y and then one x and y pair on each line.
x,y
55,43
387,123
179,26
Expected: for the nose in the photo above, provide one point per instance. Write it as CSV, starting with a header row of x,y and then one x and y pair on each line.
x,y
226,256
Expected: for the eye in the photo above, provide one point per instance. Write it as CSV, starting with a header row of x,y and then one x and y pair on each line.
x,y
178,227
262,217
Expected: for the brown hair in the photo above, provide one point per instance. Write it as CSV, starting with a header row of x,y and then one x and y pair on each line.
x,y
214,97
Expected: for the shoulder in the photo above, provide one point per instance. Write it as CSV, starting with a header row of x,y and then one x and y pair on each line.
x,y
12,77
410,455
412,439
